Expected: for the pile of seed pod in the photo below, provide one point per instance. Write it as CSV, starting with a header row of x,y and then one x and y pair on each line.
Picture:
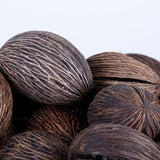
x,y
57,105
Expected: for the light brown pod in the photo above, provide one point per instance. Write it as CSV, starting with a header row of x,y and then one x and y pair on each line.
x,y
126,105
114,142
34,145
112,68
62,122
6,105
151,62
46,67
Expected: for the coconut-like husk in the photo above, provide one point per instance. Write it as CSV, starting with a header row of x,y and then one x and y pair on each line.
x,y
112,141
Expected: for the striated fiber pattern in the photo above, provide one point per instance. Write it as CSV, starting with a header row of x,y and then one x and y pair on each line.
x,y
62,122
113,142
33,146
151,62
46,67
6,105
112,68
126,105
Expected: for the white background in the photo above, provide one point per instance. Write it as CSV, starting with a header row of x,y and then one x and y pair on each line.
x,y
93,26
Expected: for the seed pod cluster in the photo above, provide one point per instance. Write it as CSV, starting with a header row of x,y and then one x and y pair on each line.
x,y
95,108
50,79
111,141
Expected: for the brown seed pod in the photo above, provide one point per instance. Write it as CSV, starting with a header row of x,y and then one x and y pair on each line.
x,y
6,105
112,68
151,62
34,145
62,122
126,105
114,142
46,67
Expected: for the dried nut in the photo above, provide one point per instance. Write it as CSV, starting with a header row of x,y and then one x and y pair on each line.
x,y
33,145
111,141
6,105
62,122
112,68
46,67
151,62
126,105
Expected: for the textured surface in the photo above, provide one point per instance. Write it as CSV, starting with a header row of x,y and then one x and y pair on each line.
x,y
62,122
6,105
46,67
126,105
112,68
151,62
33,146
113,142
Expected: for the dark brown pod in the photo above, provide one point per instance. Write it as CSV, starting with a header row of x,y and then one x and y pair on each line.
x,y
6,105
112,68
151,62
114,142
46,67
33,145
62,122
126,105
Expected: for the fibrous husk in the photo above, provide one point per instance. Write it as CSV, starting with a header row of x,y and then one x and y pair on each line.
x,y
6,105
112,68
62,122
34,145
126,105
115,142
46,68
151,62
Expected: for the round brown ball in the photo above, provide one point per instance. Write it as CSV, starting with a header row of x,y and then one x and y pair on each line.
x,y
6,105
126,105
46,67
33,145
114,142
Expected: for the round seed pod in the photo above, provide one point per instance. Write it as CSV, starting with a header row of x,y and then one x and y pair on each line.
x,y
6,105
112,68
33,145
46,68
62,122
116,142
126,105
151,62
